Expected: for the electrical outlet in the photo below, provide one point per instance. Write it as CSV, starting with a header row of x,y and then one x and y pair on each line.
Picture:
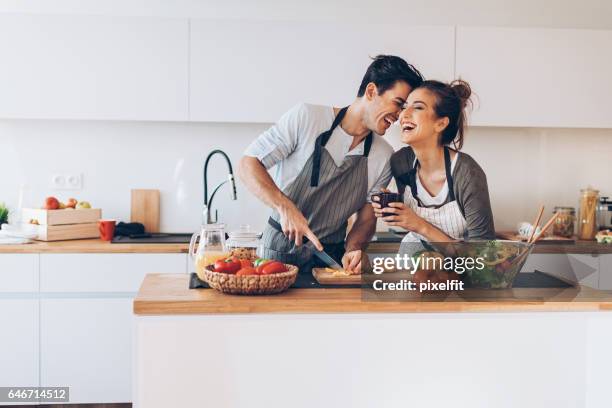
x,y
67,181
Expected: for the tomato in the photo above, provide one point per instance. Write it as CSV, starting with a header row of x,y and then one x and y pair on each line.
x,y
227,266
219,266
245,263
249,270
273,267
262,264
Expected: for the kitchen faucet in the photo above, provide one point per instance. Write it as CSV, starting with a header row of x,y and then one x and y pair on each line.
x,y
207,214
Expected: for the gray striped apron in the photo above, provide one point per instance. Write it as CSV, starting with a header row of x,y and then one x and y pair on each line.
x,y
448,218
327,195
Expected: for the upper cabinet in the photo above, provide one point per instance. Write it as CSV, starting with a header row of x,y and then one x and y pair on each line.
x,y
87,67
165,69
254,71
537,77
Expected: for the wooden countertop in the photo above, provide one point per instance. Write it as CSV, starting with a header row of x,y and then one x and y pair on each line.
x,y
579,247
169,294
99,246
92,246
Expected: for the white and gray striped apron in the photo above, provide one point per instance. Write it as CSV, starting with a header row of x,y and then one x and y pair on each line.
x,y
327,195
448,218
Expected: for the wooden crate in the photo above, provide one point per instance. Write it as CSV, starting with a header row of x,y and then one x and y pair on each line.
x,y
61,217
59,225
67,231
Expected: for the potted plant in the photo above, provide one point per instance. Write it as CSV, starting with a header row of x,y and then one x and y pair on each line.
x,y
4,213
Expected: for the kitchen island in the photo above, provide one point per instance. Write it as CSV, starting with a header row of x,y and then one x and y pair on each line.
x,y
329,347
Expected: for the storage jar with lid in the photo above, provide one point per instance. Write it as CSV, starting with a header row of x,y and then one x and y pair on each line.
x,y
564,224
587,221
245,243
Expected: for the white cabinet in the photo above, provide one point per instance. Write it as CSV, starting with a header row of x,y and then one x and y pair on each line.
x,y
537,77
19,273
19,340
254,71
86,344
605,272
104,272
93,67
19,311
86,320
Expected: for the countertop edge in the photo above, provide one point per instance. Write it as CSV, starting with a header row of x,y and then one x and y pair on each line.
x,y
168,294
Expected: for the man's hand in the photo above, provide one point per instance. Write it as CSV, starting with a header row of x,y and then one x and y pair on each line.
x,y
351,262
295,226
255,176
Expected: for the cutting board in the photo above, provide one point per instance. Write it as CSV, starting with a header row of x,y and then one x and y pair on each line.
x,y
324,277
145,209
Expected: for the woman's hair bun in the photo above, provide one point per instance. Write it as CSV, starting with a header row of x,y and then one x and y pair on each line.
x,y
462,90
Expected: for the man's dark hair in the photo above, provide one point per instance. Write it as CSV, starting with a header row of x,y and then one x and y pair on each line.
x,y
386,70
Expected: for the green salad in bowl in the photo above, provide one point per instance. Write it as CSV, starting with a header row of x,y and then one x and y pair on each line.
x,y
499,262
486,264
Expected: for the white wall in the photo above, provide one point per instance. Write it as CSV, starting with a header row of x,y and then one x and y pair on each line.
x,y
525,167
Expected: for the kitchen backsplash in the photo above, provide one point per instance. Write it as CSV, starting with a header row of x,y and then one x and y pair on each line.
x,y
525,167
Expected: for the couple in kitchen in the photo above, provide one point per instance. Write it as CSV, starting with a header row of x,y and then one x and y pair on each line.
x,y
330,161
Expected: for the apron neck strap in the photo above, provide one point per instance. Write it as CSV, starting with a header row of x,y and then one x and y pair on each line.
x,y
322,140
412,175
449,175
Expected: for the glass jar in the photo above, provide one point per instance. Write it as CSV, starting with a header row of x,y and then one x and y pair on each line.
x,y
210,248
564,224
587,221
245,243
604,213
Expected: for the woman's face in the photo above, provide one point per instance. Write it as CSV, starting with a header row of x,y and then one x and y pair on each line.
x,y
418,120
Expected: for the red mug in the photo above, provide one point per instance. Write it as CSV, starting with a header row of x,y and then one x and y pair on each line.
x,y
107,229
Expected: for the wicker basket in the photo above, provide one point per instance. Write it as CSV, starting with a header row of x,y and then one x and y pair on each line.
x,y
250,284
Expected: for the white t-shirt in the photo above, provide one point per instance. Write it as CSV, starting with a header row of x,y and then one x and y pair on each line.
x,y
426,199
289,144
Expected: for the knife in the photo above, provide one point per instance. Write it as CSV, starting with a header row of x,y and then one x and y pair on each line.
x,y
328,260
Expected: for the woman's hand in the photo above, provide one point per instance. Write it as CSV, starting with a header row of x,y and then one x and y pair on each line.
x,y
400,215
377,208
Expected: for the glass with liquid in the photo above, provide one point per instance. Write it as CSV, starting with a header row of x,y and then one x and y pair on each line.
x,y
210,248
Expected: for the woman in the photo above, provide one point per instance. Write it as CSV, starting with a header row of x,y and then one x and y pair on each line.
x,y
445,192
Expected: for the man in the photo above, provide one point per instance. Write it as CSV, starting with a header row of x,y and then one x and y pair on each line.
x,y
328,163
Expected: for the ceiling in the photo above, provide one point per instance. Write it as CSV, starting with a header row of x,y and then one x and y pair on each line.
x,y
585,14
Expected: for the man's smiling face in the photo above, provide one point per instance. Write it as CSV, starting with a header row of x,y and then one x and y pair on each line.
x,y
384,109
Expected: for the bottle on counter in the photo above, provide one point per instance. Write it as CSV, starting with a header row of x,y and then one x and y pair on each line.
x,y
587,219
564,224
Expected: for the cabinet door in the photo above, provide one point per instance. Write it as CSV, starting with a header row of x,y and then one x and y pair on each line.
x,y
537,77
254,71
605,272
19,272
104,272
86,344
19,340
93,67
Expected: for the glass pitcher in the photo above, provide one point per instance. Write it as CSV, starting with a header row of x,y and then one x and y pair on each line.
x,y
210,248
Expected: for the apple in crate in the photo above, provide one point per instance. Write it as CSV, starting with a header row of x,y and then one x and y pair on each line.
x,y
51,203
71,203
83,204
